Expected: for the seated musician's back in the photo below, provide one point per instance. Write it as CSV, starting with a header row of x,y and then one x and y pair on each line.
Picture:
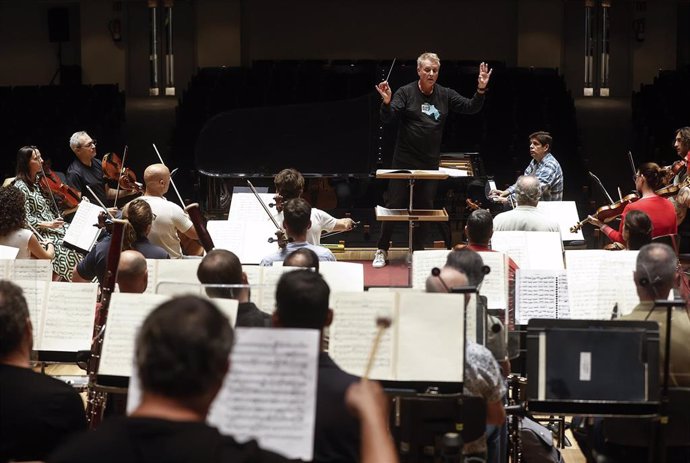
x,y
182,356
36,411
302,302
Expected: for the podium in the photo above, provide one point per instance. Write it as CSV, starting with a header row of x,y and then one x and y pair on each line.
x,y
410,215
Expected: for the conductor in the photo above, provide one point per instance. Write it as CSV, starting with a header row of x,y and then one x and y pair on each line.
x,y
422,108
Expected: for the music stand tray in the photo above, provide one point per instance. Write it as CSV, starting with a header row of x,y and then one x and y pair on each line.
x,y
411,215
593,367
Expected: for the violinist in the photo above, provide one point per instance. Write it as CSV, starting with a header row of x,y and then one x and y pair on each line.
x,y
86,170
13,231
290,184
169,218
637,230
139,216
648,179
681,144
39,210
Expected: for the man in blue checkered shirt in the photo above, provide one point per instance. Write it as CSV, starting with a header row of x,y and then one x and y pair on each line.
x,y
544,166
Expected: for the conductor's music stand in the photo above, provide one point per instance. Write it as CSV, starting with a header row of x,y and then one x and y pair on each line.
x,y
411,215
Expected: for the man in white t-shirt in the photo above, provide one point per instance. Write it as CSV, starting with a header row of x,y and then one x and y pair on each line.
x,y
290,184
168,217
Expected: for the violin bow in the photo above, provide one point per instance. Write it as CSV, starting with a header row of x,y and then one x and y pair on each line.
x,y
38,235
122,169
99,202
601,185
326,235
632,162
171,180
57,210
263,204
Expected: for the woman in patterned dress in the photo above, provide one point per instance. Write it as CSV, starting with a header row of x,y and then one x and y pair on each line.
x,y
39,213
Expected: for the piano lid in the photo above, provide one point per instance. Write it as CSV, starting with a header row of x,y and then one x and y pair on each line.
x,y
333,138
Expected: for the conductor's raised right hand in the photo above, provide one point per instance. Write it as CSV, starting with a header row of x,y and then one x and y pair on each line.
x,y
385,91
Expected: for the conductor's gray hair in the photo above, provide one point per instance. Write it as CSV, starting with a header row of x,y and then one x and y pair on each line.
x,y
75,139
433,57
657,262
527,190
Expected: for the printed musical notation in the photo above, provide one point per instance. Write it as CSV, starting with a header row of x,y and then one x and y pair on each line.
x,y
270,393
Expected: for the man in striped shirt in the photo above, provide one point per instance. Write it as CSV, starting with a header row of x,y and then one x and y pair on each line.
x,y
544,166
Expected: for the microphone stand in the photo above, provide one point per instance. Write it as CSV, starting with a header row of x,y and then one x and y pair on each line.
x,y
657,449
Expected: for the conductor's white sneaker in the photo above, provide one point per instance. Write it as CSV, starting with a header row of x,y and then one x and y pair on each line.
x,y
380,259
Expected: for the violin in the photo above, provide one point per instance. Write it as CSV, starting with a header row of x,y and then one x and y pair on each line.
x,y
607,213
50,182
279,202
124,176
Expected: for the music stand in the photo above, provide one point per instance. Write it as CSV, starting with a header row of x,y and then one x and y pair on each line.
x,y
593,367
419,423
411,215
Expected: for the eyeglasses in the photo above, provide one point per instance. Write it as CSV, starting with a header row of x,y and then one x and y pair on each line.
x,y
635,177
90,144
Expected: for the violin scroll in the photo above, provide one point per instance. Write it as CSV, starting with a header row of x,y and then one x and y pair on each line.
x,y
124,176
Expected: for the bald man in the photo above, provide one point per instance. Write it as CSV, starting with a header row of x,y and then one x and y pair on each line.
x,y
525,217
168,217
132,273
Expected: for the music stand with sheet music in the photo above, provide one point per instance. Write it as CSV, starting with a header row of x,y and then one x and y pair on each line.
x,y
593,367
411,215
423,412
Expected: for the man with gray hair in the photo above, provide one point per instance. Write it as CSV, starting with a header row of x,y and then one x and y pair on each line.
x,y
525,217
655,276
422,108
86,170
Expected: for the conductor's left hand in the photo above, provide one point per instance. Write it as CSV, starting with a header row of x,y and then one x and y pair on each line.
x,y
484,75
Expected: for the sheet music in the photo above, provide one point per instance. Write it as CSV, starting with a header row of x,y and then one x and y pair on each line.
x,y
35,292
495,285
531,250
82,231
565,214
68,316
126,314
471,321
599,279
8,252
270,392
247,229
30,269
343,276
266,298
541,294
228,307
175,271
354,329
430,337
423,262
452,172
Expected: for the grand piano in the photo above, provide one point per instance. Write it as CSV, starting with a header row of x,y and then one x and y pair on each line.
x,y
341,141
